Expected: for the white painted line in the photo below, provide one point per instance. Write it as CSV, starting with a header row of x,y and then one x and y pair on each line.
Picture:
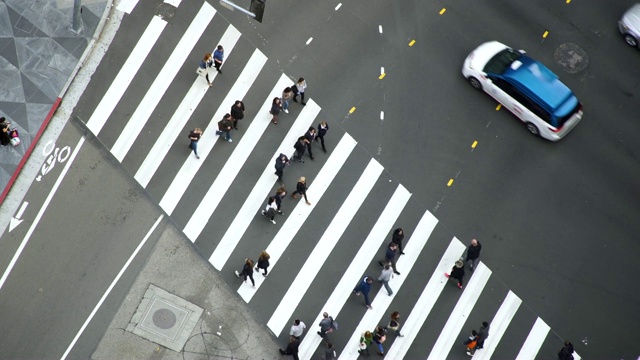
x,y
422,308
127,5
175,3
191,166
360,263
324,246
36,220
380,28
449,334
499,325
125,75
381,70
382,301
160,85
309,41
15,220
381,115
182,114
534,341
296,219
113,284
338,6
260,191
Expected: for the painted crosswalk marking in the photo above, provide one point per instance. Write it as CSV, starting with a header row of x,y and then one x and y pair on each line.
x,y
499,325
534,341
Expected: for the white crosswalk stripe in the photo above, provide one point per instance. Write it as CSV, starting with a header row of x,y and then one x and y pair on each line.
x,y
196,194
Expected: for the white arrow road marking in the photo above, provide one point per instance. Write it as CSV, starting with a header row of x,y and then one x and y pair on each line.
x,y
15,221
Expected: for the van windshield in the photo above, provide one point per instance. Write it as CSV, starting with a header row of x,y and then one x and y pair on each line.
x,y
501,61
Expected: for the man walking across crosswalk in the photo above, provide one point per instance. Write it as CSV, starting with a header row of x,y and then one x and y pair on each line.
x,y
390,257
385,276
397,237
281,161
473,253
237,113
218,58
224,127
297,329
363,288
310,136
327,324
323,127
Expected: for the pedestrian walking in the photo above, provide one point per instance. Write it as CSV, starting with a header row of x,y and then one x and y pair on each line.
x,y
483,334
194,136
263,262
365,340
379,337
287,95
281,161
301,85
363,288
224,127
281,192
205,65
301,147
218,58
397,237
301,189
292,348
471,343
297,329
394,323
390,257
237,113
275,110
310,136
473,253
247,271
327,325
566,353
457,272
385,276
323,127
329,352
270,210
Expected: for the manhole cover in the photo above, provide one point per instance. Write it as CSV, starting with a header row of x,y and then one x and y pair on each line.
x,y
165,10
571,57
164,318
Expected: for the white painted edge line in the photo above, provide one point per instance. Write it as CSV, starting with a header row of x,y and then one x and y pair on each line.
x,y
125,75
299,215
449,334
165,77
324,246
534,340
175,3
191,166
113,284
127,6
382,301
359,265
422,308
499,325
180,117
232,166
260,191
36,220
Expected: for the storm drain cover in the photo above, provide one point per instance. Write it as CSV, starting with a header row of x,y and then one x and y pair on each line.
x,y
164,318
571,57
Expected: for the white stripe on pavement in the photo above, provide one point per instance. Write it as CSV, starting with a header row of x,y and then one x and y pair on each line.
x,y
302,211
180,117
324,246
160,85
499,325
125,75
360,262
426,301
534,341
191,166
381,303
127,5
460,313
260,191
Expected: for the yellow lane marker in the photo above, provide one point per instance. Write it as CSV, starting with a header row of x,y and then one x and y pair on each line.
x,y
352,110
544,36
412,42
382,74
442,11
568,1
498,107
450,182
475,143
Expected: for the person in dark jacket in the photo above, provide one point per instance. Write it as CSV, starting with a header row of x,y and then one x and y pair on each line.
x,y
379,337
280,194
237,113
301,189
363,288
330,352
281,162
394,323
263,262
194,136
483,334
247,270
566,353
457,272
224,127
300,146
323,127
310,136
292,348
275,110
390,257
397,237
473,253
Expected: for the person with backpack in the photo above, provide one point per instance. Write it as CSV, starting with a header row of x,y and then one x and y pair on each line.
x,y
327,325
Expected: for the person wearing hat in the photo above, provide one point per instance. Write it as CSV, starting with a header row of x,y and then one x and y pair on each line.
x,y
457,272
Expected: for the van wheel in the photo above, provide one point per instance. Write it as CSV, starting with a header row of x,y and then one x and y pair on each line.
x,y
475,83
631,40
533,129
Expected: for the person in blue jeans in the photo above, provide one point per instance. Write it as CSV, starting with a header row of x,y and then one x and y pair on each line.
x,y
224,127
379,337
218,58
287,95
363,288
194,136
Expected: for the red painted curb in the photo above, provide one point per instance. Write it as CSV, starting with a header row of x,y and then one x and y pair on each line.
x,y
34,141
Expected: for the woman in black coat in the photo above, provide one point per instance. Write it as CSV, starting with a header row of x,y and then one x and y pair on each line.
x,y
275,110
457,272
301,189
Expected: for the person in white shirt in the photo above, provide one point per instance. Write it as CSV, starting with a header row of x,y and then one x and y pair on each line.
x,y
297,328
270,210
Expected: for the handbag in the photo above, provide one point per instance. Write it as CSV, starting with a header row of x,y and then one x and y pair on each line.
x,y
201,71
